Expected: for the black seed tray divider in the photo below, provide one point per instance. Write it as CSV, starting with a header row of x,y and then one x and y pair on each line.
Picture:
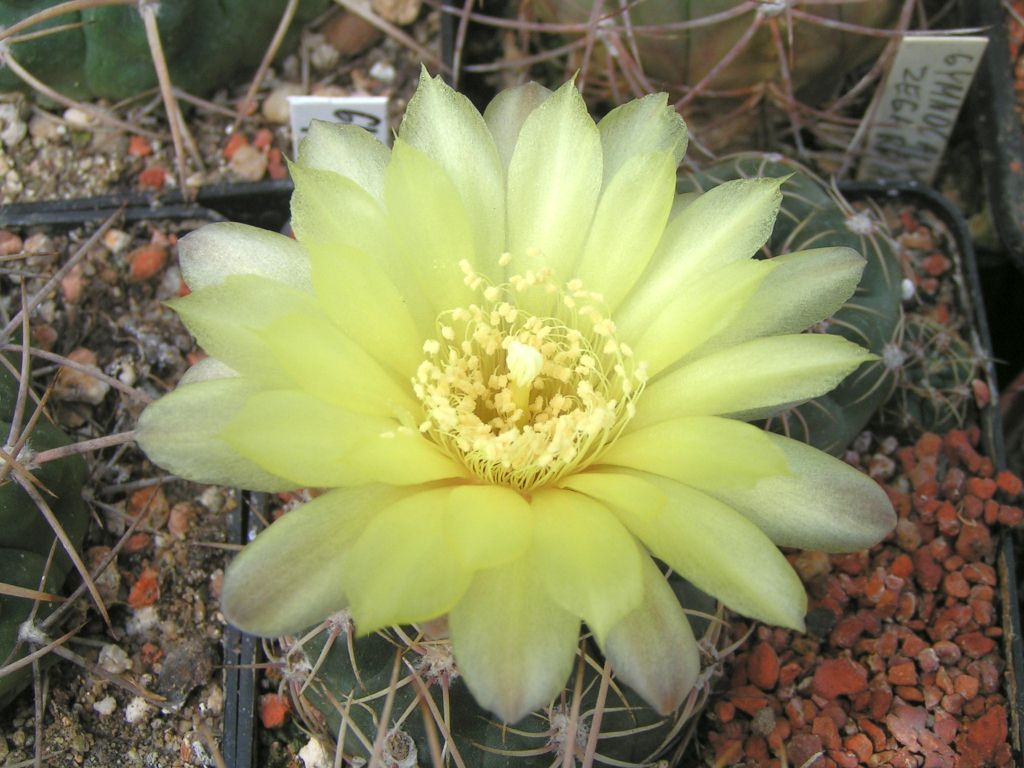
x,y
241,650
263,203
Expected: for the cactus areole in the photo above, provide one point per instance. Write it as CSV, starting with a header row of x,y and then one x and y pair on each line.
x,y
518,366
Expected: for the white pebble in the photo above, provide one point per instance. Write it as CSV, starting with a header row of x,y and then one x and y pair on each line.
x,y
105,706
13,133
116,240
248,163
383,71
143,620
45,128
114,660
80,119
136,711
907,289
323,56
313,755
214,703
275,106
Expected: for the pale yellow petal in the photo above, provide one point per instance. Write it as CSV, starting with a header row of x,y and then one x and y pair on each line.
x,y
725,224
589,563
753,379
488,525
226,318
641,126
804,287
554,179
697,312
619,247
181,433
713,547
347,150
444,124
431,226
211,253
314,444
824,505
356,293
324,362
403,568
652,649
514,645
294,573
704,451
331,209
207,369
507,112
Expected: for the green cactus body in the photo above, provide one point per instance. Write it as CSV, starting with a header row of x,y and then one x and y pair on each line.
x,y
745,75
932,367
814,216
26,538
341,685
20,568
108,57
677,58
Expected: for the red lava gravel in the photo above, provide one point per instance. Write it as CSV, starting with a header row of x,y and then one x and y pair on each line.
x,y
901,665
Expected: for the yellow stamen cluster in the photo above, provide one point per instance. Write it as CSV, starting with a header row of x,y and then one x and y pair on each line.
x,y
522,400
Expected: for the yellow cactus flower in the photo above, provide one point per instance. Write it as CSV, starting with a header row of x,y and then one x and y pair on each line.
x,y
519,364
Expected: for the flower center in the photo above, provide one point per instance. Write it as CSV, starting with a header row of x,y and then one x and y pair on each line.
x,y
523,399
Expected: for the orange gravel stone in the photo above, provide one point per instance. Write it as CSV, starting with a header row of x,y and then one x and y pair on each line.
x,y
982,487
263,138
725,711
903,673
146,589
139,147
235,142
274,709
1009,483
136,543
145,262
979,741
839,677
153,178
275,165
929,444
936,264
860,745
763,667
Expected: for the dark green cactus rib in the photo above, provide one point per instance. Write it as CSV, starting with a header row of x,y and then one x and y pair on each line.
x,y
341,684
815,216
205,43
25,536
933,368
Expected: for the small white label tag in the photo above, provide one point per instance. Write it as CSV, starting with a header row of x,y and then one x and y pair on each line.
x,y
367,112
912,116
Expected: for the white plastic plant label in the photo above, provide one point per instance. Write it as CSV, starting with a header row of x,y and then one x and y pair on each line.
x,y
913,114
367,112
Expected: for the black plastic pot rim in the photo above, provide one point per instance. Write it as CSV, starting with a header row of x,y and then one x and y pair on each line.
x,y
234,202
998,128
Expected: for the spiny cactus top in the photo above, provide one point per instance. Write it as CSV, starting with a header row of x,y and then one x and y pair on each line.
x,y
519,364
